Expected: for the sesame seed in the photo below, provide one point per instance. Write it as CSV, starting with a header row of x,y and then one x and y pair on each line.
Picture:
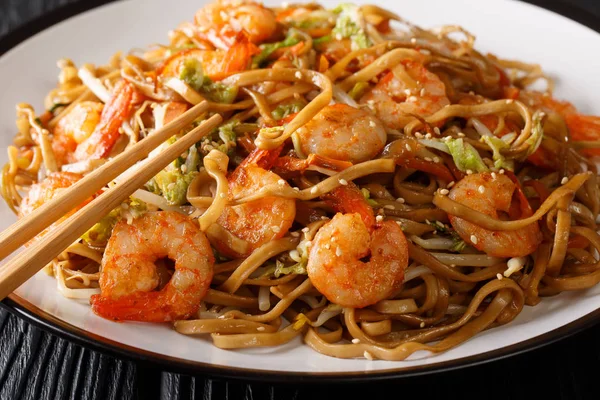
x,y
327,246
355,341
453,265
418,135
494,175
450,184
501,172
437,131
298,74
343,182
368,356
499,276
469,172
440,224
281,182
422,325
444,192
333,239
338,36
413,40
509,101
323,218
428,159
338,251
260,328
399,224
407,92
428,136
372,124
305,229
422,92
379,218
294,234
408,147
275,228
389,207
297,189
481,189
222,195
400,200
474,239
460,134
436,160
371,102
412,99
564,180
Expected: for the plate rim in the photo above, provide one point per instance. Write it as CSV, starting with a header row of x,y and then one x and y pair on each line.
x,y
22,308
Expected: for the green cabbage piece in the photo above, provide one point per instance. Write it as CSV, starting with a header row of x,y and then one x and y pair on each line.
x,y
285,109
193,75
348,25
459,245
269,48
497,144
102,230
465,156
358,90
537,133
173,185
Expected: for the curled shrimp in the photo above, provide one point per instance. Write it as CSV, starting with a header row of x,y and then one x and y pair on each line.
x,y
489,194
129,277
74,128
259,221
407,91
219,22
335,262
344,133
83,135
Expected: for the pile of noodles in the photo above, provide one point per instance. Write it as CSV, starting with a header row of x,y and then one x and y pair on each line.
x,y
447,296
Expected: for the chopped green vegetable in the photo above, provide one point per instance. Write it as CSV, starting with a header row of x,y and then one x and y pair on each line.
x,y
349,25
537,133
281,269
173,185
286,109
192,73
322,39
358,90
497,144
269,48
102,230
465,156
367,195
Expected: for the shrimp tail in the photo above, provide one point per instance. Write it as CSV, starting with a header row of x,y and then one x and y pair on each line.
x,y
349,199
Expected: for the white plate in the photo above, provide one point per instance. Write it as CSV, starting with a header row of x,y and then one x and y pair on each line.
x,y
506,28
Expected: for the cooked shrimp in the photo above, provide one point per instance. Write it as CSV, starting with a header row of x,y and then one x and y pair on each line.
x,y
220,22
258,221
581,127
74,128
129,278
489,194
44,191
344,133
115,112
335,265
216,64
408,90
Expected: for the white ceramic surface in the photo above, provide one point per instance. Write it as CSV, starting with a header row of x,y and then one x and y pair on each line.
x,y
507,28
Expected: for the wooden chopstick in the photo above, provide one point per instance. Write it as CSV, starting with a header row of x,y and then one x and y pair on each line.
x,y
27,227
24,265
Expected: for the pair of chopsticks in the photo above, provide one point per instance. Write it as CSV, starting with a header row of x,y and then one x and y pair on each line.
x,y
25,264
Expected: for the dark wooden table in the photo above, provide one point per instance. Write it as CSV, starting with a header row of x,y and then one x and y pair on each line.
x,y
37,365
